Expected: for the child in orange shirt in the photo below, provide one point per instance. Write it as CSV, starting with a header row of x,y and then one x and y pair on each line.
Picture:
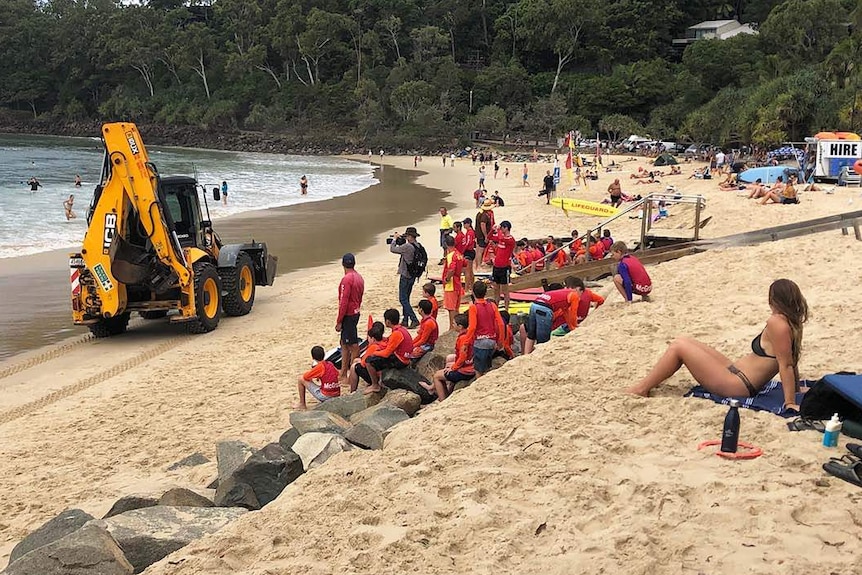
x,y
429,292
428,332
322,371
461,369
375,343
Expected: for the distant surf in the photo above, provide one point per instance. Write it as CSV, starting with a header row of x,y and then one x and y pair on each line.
x,y
32,222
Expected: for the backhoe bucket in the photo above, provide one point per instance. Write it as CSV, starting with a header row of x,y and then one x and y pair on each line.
x,y
129,263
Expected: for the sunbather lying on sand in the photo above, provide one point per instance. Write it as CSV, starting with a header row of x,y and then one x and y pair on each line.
x,y
650,179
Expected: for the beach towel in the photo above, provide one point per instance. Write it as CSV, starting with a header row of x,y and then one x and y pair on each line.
x,y
770,398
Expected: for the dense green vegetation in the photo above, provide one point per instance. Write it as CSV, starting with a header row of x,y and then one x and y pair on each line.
x,y
409,71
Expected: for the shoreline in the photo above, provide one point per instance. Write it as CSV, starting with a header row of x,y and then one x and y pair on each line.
x,y
41,279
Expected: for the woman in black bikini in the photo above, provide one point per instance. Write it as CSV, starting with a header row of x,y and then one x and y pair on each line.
x,y
775,350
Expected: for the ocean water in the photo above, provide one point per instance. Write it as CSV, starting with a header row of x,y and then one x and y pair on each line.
x,y
32,222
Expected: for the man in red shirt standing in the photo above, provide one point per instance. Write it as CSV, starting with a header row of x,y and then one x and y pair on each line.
x,y
350,292
504,247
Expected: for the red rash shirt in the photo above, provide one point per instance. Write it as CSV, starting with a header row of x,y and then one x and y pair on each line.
x,y
505,247
350,292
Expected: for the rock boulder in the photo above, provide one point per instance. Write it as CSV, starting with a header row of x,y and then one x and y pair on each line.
x,y
347,405
315,448
288,438
235,493
191,461
180,497
372,428
63,524
88,551
230,455
265,474
318,422
403,399
149,535
436,358
407,379
130,502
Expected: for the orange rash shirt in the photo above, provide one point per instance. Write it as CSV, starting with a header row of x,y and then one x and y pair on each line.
x,y
326,372
371,350
560,259
435,305
463,355
428,332
395,340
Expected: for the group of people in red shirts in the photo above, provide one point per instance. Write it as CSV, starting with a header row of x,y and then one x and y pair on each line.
x,y
484,331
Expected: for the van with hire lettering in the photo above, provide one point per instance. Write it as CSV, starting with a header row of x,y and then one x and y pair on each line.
x,y
824,158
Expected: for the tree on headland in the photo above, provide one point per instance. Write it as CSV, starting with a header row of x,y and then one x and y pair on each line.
x,y
428,73
616,126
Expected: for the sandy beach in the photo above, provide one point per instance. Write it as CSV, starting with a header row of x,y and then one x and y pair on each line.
x,y
301,235
542,466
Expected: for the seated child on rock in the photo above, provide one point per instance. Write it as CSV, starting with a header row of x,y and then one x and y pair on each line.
x,y
427,335
461,366
376,342
393,355
321,381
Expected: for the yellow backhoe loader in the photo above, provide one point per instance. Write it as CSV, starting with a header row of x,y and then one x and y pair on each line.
x,y
149,250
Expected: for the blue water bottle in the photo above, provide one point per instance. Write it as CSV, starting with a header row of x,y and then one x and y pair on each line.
x,y
833,430
730,433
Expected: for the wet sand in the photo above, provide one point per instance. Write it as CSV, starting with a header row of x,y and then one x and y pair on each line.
x,y
34,309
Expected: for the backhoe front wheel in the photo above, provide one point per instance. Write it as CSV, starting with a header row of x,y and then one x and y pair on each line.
x,y
238,286
108,326
207,299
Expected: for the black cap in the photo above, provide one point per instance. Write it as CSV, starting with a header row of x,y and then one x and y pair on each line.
x,y
411,231
348,260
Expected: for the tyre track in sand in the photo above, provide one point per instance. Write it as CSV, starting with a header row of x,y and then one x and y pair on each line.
x,y
81,385
56,351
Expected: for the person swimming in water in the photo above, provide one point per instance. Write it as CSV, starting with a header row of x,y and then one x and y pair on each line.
x,y
303,186
67,205
34,184
775,350
77,180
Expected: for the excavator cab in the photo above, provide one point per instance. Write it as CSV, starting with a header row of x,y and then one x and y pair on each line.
x,y
148,249
181,198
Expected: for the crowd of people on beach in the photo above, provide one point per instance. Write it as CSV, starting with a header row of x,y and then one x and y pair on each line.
x,y
478,309
478,257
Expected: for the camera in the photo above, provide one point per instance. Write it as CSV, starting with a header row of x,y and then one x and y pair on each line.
x,y
399,239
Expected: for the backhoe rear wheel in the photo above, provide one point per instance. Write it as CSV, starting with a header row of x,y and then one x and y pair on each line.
x,y
108,326
238,286
207,298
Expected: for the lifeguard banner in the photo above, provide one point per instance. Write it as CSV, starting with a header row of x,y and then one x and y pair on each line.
x,y
585,207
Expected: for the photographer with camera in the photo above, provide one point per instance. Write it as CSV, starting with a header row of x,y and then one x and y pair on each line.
x,y
406,246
